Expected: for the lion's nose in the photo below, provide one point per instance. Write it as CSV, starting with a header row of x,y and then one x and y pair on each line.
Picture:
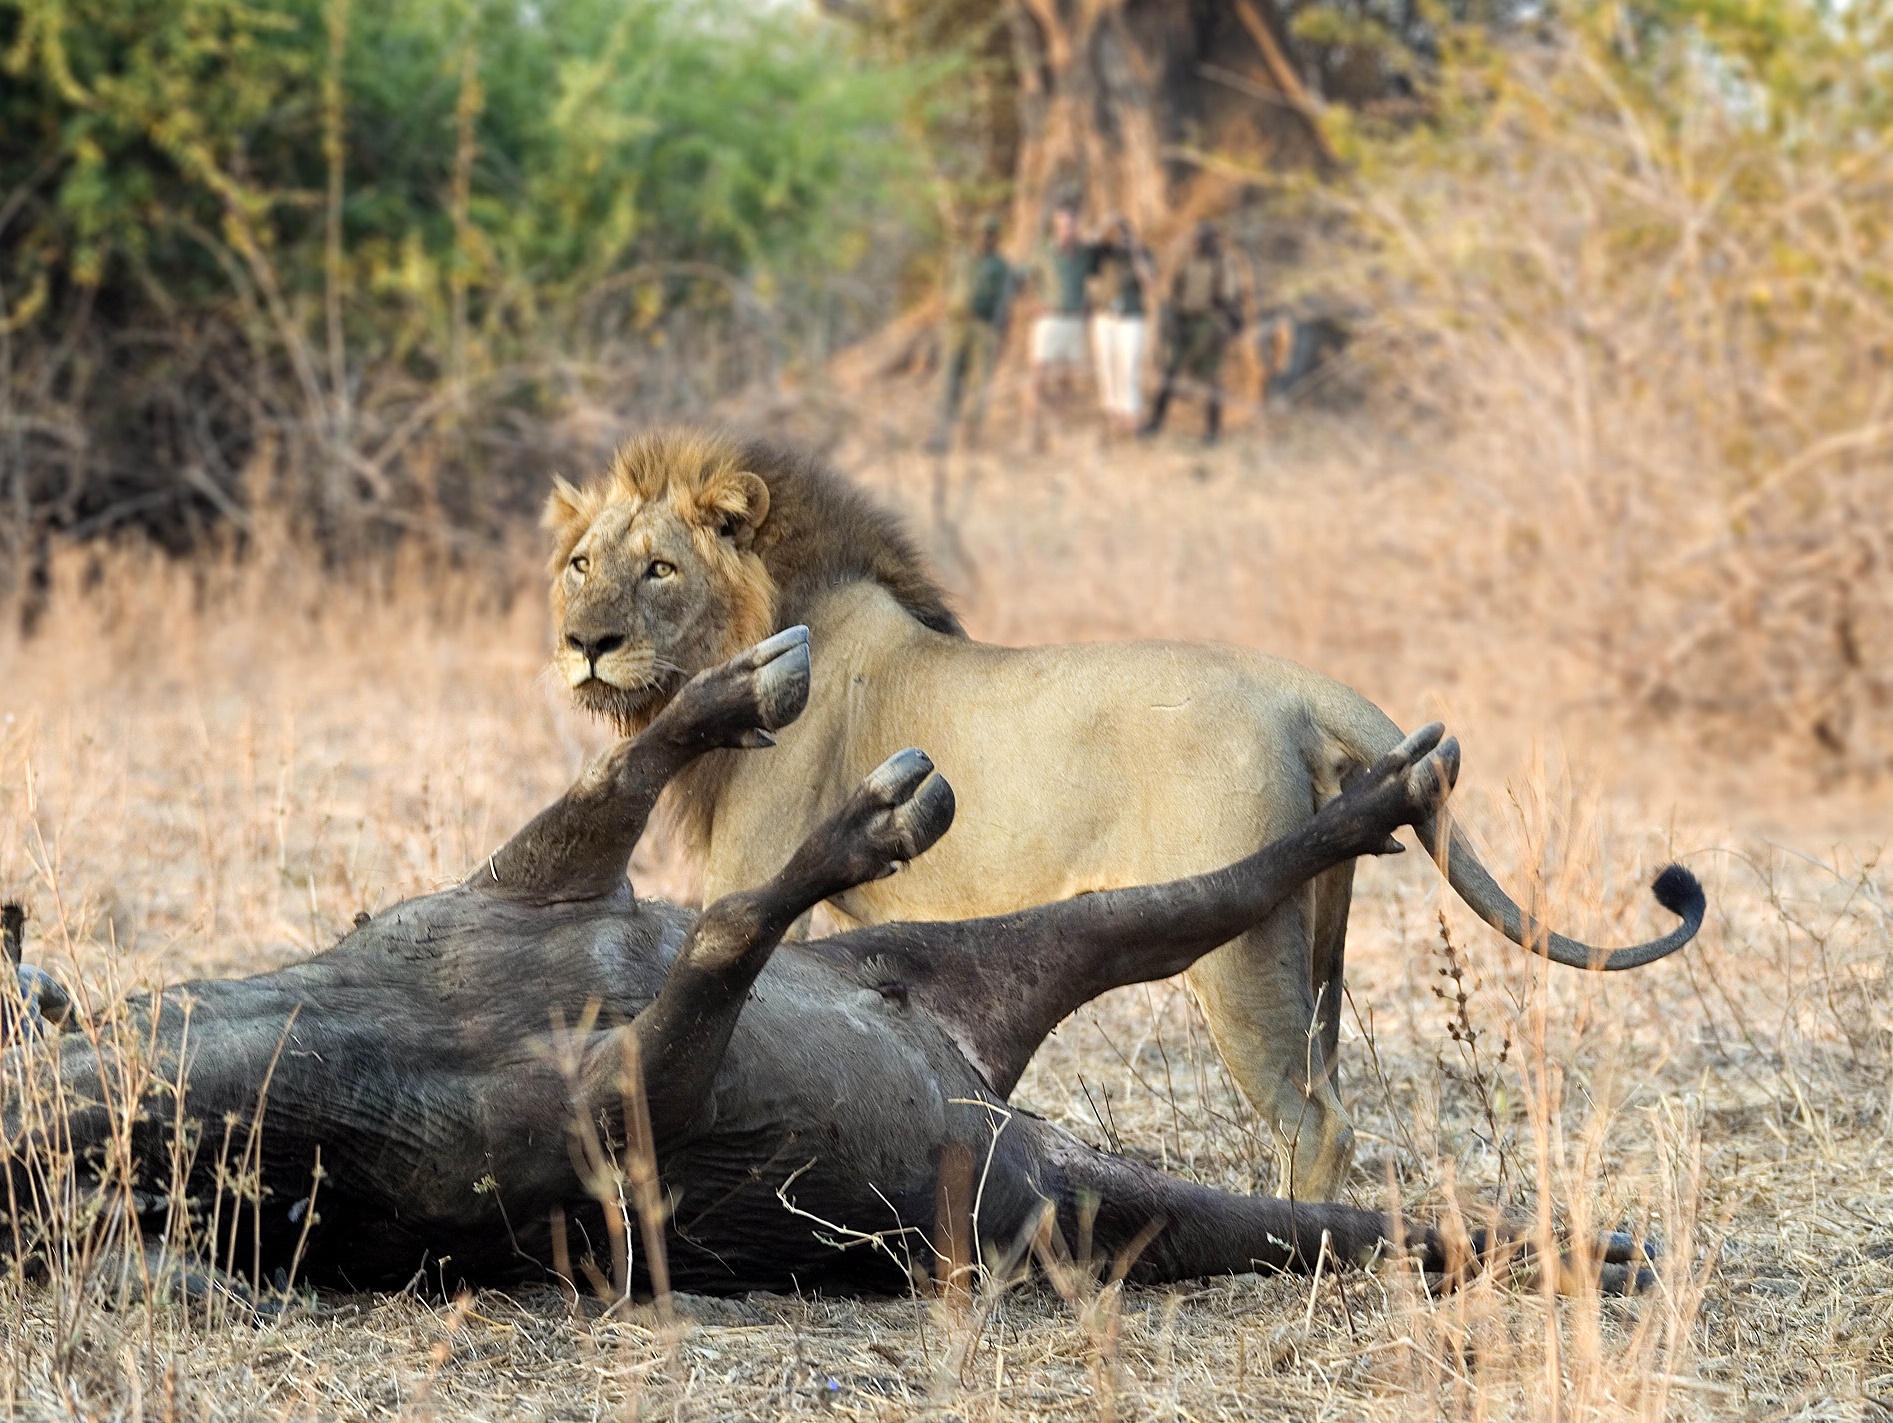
x,y
591,649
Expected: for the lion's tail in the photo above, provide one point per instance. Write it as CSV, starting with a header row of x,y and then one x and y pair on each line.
x,y
1367,734
1676,889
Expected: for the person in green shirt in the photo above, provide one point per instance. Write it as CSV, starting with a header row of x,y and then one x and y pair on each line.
x,y
1204,314
979,306
1058,331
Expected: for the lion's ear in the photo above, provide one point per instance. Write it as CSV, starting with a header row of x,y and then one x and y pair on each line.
x,y
565,505
735,504
567,514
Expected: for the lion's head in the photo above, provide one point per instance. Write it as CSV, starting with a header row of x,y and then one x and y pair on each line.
x,y
654,572
692,546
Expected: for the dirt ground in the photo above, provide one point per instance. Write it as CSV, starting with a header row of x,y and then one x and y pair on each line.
x,y
206,772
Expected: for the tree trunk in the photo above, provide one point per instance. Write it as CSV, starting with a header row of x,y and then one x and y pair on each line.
x,y
1122,103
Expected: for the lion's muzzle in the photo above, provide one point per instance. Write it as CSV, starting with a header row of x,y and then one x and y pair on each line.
x,y
604,658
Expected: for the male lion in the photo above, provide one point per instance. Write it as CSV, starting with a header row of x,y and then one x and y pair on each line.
x,y
1078,768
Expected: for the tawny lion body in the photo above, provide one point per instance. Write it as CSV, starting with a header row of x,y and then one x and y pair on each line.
x,y
1077,768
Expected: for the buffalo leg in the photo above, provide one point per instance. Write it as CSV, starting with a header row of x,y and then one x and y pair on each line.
x,y
1157,1229
1001,984
895,814
1162,1229
577,847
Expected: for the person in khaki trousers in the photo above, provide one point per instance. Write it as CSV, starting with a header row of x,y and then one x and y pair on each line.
x,y
1204,314
979,307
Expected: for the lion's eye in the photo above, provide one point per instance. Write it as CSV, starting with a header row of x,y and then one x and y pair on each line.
x,y
580,564
660,569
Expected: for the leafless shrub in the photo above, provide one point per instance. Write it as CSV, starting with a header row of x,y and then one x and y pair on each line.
x,y
1639,317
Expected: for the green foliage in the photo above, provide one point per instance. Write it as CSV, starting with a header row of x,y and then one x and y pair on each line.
x,y
1367,52
502,164
610,130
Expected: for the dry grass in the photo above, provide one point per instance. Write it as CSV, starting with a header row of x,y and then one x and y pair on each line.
x,y
211,775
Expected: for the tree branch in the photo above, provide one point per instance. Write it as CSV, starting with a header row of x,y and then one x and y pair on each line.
x,y
1286,79
853,11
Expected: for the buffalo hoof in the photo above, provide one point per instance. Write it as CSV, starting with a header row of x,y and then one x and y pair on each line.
x,y
1624,1260
43,1006
1616,1263
1433,777
1622,1280
155,1274
1407,785
1421,770
782,672
759,690
901,809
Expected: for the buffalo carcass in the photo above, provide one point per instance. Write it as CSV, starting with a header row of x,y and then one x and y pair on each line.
x,y
465,1068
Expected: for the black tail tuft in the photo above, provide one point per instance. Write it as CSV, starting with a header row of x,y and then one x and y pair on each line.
x,y
1680,892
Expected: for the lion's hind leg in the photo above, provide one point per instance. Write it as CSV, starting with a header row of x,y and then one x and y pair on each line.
x,y
1258,999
